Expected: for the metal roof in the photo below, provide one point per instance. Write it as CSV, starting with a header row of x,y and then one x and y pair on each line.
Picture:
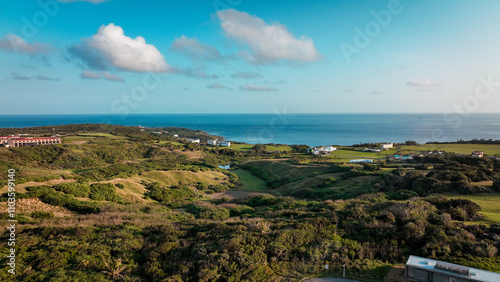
x,y
453,269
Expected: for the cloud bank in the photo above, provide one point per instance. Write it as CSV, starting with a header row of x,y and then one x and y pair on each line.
x,y
15,43
110,47
268,42
257,88
196,51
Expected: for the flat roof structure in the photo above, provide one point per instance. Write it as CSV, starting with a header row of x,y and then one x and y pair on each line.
x,y
429,270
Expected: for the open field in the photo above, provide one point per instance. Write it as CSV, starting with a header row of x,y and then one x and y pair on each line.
x,y
176,177
276,170
250,182
247,147
489,149
489,203
358,154
22,187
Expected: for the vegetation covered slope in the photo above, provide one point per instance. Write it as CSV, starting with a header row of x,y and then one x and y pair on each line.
x,y
136,206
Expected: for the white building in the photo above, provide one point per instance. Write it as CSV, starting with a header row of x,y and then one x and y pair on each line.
x,y
224,143
329,149
386,146
175,135
21,142
424,269
372,150
212,142
322,150
193,140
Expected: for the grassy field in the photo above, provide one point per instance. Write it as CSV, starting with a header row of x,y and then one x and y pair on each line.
x,y
170,178
360,154
489,202
489,149
247,147
276,170
250,182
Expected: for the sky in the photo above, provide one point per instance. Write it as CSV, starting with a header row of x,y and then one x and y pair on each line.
x,y
242,56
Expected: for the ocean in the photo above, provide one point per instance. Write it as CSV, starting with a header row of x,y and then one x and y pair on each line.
x,y
308,129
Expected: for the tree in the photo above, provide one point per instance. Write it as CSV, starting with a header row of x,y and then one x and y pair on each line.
x,y
258,149
114,269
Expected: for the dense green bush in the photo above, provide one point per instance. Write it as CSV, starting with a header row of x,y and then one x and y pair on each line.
x,y
104,192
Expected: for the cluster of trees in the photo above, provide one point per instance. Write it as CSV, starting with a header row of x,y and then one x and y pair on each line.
x,y
453,174
273,238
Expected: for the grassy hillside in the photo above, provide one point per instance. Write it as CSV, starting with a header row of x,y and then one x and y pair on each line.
x,y
152,207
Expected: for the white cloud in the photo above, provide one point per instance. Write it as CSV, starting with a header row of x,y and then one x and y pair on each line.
x,y
90,75
193,49
424,85
216,86
419,83
99,75
197,73
246,75
17,44
257,88
110,47
112,77
268,43
90,1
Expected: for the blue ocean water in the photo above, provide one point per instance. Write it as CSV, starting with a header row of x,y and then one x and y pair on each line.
x,y
309,129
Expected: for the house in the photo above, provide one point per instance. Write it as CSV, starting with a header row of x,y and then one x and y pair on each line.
x,y
212,142
193,140
175,135
224,143
386,146
321,150
21,142
477,154
424,269
372,150
361,161
329,149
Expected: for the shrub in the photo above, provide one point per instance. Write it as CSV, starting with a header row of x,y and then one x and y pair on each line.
x,y
496,185
104,192
39,214
74,188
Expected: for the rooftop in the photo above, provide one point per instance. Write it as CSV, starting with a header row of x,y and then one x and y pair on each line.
x,y
453,269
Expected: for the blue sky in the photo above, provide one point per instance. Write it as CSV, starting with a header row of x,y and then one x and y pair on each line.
x,y
241,56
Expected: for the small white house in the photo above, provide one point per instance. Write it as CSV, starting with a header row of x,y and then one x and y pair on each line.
x,y
193,140
386,146
175,135
224,143
372,150
212,142
330,149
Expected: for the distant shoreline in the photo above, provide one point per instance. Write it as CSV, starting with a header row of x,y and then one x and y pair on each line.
x,y
284,128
